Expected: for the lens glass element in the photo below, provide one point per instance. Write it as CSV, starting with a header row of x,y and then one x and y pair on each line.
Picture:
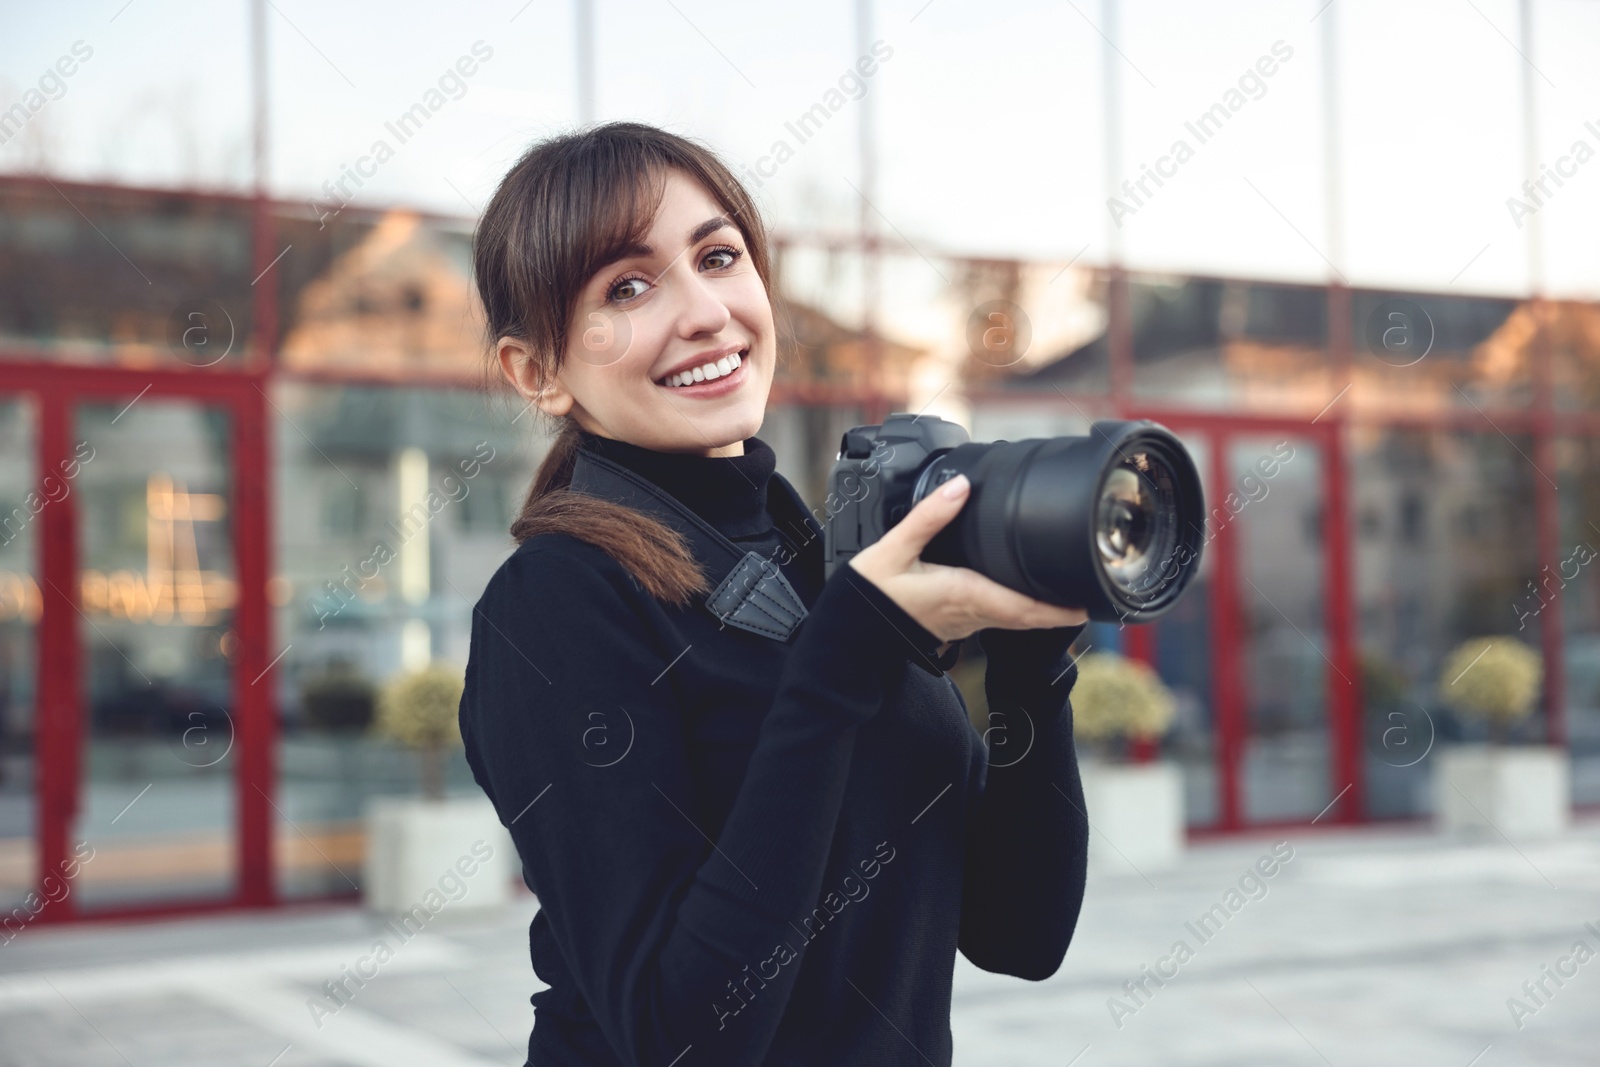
x,y
1135,522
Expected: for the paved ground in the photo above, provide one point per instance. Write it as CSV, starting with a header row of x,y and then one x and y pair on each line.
x,y
1371,947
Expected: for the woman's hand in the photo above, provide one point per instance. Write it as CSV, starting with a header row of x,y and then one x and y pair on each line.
x,y
949,602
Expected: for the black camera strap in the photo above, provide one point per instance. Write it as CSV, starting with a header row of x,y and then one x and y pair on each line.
x,y
752,593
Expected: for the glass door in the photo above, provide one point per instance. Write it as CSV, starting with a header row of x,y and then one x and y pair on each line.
x,y
157,593
1180,647
1284,649
20,607
1262,732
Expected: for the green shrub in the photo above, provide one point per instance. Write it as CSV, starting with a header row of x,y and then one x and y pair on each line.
x,y
1116,697
419,710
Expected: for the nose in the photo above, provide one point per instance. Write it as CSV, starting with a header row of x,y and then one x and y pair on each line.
x,y
703,312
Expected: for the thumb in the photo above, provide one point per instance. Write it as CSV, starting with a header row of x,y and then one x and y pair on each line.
x,y
908,537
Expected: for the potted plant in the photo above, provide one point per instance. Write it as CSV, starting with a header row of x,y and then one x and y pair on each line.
x,y
1135,805
1494,788
338,698
429,850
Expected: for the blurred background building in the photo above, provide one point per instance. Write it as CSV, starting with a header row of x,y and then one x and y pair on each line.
x,y
255,463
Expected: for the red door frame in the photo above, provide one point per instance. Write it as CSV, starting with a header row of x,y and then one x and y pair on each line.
x,y
59,709
1343,697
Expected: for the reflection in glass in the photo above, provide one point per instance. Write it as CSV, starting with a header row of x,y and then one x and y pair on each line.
x,y
157,595
156,279
1572,330
1069,344
20,607
1422,352
1285,649
1229,343
1577,579
1445,550
394,507
1183,658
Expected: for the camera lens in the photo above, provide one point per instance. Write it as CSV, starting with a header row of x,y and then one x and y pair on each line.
x,y
1134,522
1111,522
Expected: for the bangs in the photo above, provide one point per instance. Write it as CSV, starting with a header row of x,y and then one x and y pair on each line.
x,y
605,208
572,206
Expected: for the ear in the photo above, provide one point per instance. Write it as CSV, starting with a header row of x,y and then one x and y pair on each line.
x,y
522,370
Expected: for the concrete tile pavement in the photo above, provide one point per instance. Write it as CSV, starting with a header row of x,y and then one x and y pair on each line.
x,y
1364,947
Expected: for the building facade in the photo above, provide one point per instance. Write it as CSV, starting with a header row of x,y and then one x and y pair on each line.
x,y
251,467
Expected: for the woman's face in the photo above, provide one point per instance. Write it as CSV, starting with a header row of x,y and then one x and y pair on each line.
x,y
687,300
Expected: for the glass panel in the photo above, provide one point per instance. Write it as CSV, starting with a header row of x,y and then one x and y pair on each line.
x,y
1445,550
371,580
133,277
1285,649
385,296
1420,352
157,589
1223,343
1577,577
1573,330
20,605
1183,655
1033,328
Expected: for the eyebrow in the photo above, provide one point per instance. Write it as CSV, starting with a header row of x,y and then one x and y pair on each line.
x,y
696,235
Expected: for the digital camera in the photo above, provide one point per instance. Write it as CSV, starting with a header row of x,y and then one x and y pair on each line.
x,y
1111,522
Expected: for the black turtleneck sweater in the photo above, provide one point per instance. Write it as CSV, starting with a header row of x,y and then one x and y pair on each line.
x,y
729,492
749,851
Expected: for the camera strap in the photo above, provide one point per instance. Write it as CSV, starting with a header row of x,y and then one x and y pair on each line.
x,y
752,593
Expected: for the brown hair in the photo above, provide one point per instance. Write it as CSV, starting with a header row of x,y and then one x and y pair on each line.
x,y
569,207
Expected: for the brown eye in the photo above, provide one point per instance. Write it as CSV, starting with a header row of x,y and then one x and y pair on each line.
x,y
626,289
721,258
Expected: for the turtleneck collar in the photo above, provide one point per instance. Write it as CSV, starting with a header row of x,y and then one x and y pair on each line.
x,y
729,492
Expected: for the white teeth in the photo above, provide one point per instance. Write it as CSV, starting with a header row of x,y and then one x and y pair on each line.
x,y
706,372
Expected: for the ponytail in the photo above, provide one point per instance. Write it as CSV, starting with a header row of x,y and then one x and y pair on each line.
x,y
656,555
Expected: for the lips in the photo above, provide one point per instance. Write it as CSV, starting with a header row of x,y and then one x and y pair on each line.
x,y
702,359
712,388
706,369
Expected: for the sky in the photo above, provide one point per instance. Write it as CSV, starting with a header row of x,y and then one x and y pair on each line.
x,y
990,118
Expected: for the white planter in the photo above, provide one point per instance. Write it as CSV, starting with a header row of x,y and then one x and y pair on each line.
x,y
1520,791
442,855
1136,815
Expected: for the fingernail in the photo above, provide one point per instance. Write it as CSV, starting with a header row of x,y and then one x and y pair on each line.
x,y
955,486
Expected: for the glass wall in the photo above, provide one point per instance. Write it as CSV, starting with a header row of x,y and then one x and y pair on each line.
x,y
157,588
1572,331
1285,655
1229,344
20,606
380,295
1184,654
1576,577
131,277
1445,549
1049,337
1417,353
391,510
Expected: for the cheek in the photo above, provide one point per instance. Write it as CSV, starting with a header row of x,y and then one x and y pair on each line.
x,y
750,308
600,340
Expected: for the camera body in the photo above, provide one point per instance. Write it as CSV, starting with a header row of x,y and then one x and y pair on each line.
x,y
1109,522
875,479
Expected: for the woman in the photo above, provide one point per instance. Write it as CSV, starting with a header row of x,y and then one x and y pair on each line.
x,y
757,818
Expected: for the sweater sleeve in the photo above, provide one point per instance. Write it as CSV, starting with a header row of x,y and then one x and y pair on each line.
x,y
1027,843
659,923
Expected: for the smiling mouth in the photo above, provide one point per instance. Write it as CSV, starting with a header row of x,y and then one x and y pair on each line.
x,y
706,372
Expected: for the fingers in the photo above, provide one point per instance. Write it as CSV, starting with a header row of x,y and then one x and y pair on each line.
x,y
908,537
1008,609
